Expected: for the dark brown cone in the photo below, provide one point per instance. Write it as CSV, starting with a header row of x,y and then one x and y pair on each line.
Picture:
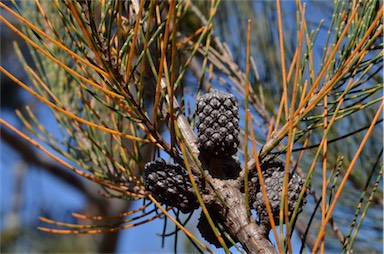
x,y
207,232
273,175
218,124
170,185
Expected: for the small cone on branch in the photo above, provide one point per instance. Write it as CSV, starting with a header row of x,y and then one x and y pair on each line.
x,y
218,124
273,175
207,232
170,185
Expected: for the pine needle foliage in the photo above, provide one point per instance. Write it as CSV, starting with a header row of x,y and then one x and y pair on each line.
x,y
122,79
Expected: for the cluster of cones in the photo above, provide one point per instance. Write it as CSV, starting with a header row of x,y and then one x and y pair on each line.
x,y
218,129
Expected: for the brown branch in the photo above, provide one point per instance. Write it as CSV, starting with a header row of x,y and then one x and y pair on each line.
x,y
240,224
233,212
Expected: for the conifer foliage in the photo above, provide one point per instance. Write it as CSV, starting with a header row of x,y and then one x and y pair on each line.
x,y
155,108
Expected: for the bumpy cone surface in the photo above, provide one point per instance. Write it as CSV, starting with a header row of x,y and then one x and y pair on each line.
x,y
170,185
218,124
273,174
207,232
